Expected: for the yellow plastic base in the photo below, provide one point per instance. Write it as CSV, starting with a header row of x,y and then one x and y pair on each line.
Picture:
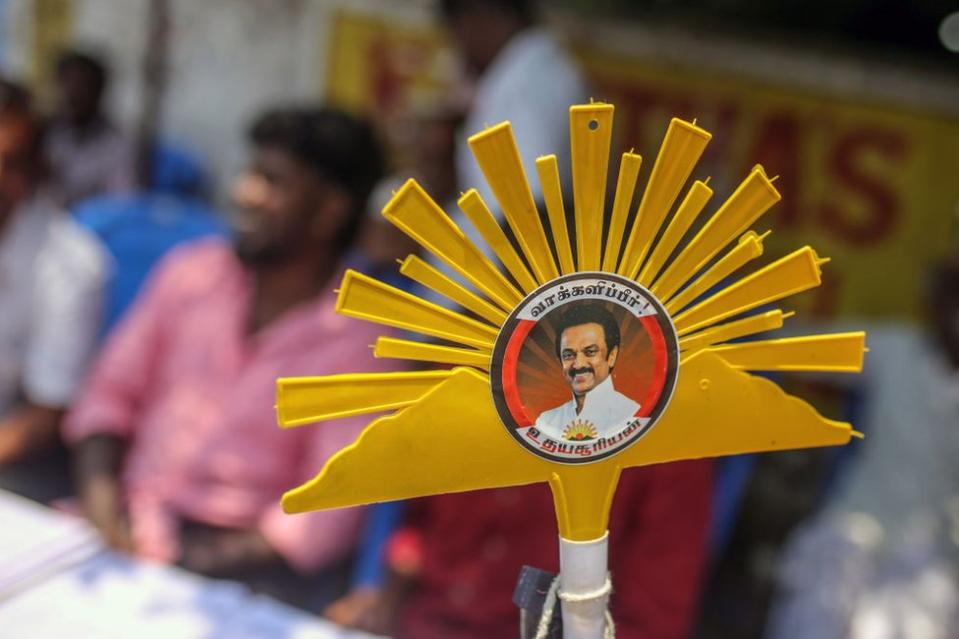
x,y
451,440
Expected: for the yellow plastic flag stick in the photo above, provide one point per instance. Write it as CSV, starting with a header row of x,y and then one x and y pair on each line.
x,y
420,271
625,188
496,153
548,170
681,148
590,133
304,400
416,214
837,353
583,496
759,323
475,209
797,272
366,298
751,199
749,247
686,214
423,352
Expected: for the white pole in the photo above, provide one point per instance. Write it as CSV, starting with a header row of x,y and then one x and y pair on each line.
x,y
584,587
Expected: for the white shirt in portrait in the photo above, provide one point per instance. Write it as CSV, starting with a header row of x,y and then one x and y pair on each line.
x,y
606,409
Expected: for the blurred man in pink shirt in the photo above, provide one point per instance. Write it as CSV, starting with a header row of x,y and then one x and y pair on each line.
x,y
178,455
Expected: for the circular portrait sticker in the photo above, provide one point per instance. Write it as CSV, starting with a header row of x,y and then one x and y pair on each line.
x,y
584,367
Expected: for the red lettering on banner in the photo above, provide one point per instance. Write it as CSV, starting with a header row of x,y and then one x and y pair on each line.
x,y
633,104
725,117
825,299
777,148
387,84
847,162
778,142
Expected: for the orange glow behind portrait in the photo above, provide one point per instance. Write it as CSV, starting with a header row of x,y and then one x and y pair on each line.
x,y
540,378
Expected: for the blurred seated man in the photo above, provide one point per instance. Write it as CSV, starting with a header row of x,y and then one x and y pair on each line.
x,y
179,457
51,285
455,561
88,154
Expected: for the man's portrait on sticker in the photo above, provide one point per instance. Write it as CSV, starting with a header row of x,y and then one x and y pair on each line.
x,y
584,367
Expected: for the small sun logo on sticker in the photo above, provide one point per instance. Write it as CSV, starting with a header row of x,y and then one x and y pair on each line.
x,y
580,431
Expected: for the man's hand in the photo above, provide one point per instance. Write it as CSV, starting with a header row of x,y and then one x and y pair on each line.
x,y
26,430
98,462
373,609
224,553
363,608
103,505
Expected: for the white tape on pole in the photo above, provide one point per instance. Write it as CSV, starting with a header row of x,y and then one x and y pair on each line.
x,y
584,587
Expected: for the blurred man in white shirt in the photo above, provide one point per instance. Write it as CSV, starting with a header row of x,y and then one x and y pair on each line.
x,y
880,558
51,285
522,74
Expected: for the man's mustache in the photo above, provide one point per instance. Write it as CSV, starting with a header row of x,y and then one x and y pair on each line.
x,y
573,372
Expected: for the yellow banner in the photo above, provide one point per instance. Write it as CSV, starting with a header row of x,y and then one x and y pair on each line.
x,y
52,25
873,186
383,68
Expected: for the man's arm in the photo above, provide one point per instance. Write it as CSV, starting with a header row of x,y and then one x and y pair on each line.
x,y
318,540
105,414
375,608
98,461
225,553
308,542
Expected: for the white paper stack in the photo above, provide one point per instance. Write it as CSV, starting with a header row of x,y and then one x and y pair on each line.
x,y
114,597
57,580
37,542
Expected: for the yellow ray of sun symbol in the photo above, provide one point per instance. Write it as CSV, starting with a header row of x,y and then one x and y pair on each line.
x,y
446,435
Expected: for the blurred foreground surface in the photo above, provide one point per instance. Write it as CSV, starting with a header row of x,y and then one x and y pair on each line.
x,y
56,580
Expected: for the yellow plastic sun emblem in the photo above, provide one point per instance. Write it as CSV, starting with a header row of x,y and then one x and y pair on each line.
x,y
659,377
